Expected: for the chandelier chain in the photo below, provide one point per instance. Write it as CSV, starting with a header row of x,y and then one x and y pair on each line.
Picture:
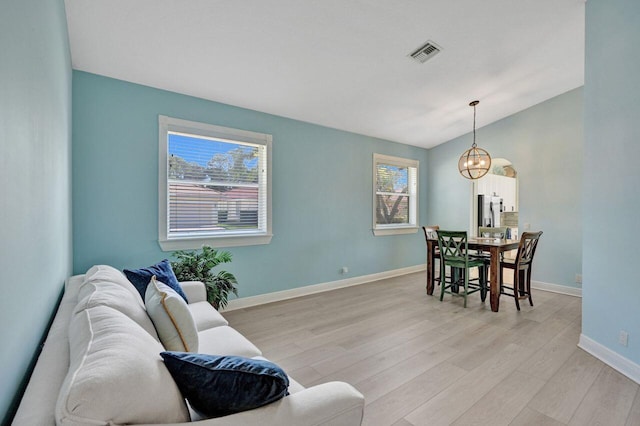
x,y
473,145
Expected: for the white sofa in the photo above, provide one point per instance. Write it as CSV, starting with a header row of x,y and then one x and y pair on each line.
x,y
78,379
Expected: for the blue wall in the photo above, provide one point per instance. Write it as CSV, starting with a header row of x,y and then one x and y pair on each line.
x,y
611,196
35,171
322,189
322,208
545,145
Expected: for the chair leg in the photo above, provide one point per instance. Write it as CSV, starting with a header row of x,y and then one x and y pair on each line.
x,y
522,284
487,265
482,270
466,286
443,282
455,279
516,287
433,265
529,286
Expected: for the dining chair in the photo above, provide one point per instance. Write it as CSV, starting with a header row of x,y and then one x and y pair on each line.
x,y
521,265
430,233
454,253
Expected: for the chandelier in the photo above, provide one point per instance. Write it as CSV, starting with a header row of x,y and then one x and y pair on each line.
x,y
474,162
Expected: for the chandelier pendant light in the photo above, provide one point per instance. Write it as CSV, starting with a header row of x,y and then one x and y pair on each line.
x,y
474,162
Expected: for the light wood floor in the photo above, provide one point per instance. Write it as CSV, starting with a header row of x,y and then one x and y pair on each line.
x,y
419,361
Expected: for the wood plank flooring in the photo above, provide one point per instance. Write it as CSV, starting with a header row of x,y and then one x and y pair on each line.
x,y
419,361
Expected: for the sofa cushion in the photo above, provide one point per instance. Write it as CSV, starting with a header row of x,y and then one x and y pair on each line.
x,y
102,273
106,286
224,340
171,318
220,385
164,273
194,290
116,375
206,315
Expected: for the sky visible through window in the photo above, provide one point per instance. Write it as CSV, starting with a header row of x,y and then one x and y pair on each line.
x,y
396,176
199,150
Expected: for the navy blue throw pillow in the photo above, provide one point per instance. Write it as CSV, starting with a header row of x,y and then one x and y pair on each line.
x,y
218,385
164,273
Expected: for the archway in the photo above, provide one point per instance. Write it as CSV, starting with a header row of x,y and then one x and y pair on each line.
x,y
495,198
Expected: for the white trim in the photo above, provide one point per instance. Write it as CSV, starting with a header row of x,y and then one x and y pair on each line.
x,y
226,241
395,161
611,358
277,296
213,131
414,214
395,231
167,243
556,288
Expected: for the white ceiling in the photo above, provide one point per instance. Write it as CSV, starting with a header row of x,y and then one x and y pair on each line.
x,y
342,63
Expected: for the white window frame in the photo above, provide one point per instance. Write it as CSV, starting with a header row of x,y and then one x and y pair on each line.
x,y
170,242
397,228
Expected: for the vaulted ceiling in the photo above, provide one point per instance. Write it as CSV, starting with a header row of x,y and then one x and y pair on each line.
x,y
342,63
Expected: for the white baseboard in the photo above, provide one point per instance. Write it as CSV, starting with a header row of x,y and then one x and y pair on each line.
x,y
611,358
277,296
555,288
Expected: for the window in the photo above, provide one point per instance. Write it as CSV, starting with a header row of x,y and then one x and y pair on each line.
x,y
215,186
395,195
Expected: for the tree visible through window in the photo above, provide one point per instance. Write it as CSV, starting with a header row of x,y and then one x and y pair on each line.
x,y
392,194
395,198
216,184
217,190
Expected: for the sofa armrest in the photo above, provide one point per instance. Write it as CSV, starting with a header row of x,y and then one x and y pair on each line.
x,y
333,403
194,290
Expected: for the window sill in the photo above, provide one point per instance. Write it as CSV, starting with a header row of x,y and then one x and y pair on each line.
x,y
379,232
215,242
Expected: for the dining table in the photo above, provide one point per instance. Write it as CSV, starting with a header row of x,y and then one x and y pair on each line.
x,y
494,246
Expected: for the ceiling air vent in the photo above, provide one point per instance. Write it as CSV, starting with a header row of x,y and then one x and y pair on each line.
x,y
426,52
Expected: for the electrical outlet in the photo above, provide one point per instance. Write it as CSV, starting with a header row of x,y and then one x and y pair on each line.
x,y
344,270
579,278
527,226
623,338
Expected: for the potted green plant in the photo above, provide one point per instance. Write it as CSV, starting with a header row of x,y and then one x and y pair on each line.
x,y
197,265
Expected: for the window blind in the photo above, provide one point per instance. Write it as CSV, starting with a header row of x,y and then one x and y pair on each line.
x,y
395,199
215,186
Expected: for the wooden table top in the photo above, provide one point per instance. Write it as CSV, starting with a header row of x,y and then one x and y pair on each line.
x,y
492,242
487,242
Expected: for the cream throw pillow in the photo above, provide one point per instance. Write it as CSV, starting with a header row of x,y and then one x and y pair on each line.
x,y
171,317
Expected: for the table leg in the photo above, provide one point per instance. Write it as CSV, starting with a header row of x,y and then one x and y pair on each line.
x,y
430,248
495,279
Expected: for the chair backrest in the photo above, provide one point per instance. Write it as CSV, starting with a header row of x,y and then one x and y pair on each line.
x,y
494,232
527,248
453,245
430,232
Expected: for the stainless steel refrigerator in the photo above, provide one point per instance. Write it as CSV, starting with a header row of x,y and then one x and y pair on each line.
x,y
489,209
